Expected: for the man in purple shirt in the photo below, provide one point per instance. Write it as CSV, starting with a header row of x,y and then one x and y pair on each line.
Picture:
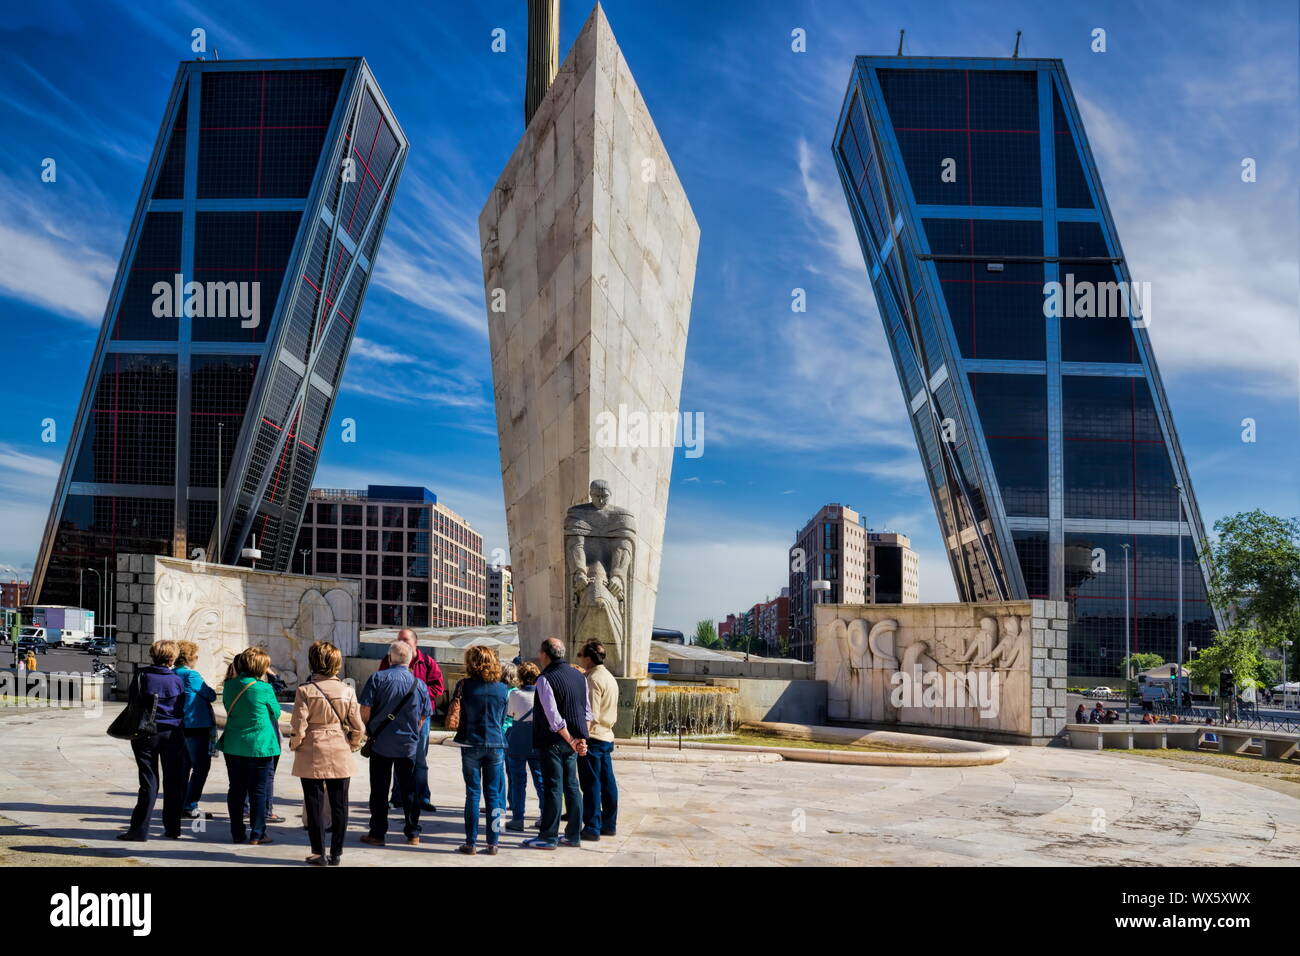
x,y
561,719
426,670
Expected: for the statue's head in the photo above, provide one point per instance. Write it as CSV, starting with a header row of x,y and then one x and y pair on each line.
x,y
600,493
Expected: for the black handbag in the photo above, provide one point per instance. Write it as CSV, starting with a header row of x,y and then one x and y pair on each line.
x,y
139,719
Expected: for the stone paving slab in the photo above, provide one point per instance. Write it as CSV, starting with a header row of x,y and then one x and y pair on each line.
x,y
64,783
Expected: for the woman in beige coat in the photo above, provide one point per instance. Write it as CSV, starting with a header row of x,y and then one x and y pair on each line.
x,y
324,732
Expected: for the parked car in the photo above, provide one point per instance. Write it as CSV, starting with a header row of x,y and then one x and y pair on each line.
x,y
102,645
30,643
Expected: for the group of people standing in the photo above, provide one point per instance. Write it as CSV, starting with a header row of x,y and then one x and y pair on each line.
x,y
547,721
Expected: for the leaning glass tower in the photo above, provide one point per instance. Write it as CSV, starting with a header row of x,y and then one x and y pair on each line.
x,y
230,319
1046,436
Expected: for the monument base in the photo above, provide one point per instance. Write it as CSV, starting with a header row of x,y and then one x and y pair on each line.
x,y
631,690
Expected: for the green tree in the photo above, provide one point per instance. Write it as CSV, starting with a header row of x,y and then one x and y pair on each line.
x,y
1238,649
706,635
1141,662
1255,575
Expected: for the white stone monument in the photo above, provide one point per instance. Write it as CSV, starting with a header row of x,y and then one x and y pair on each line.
x,y
589,249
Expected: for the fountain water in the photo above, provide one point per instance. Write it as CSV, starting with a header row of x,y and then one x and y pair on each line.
x,y
688,710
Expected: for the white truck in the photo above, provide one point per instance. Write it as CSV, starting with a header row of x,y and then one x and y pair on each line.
x,y
64,626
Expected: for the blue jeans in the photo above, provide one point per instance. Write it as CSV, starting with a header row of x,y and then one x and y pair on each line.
x,y
485,762
560,781
599,789
248,779
518,770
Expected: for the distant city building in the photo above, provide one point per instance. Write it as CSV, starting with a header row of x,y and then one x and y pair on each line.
x,y
230,319
420,563
768,620
15,593
500,595
896,568
831,547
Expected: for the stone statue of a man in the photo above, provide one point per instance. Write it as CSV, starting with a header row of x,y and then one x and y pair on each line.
x,y
599,548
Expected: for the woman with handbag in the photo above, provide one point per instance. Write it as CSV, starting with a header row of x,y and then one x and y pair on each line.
x,y
251,740
158,738
325,731
479,733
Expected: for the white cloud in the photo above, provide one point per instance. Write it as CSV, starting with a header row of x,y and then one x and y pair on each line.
x,y
26,490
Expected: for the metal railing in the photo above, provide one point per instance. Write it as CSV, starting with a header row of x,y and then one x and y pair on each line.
x,y
1243,716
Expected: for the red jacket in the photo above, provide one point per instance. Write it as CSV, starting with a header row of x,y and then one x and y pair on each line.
x,y
424,668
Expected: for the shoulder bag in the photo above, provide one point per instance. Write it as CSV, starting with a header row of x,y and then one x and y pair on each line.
x,y
388,718
139,719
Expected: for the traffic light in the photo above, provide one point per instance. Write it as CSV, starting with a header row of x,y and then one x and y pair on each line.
x,y
1225,683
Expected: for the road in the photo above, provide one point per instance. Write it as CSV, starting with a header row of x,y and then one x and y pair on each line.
x,y
56,659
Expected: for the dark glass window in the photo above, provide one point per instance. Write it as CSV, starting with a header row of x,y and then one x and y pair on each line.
x,y
393,541
1031,549
392,517
350,539
150,285
218,400
350,564
326,513
995,315
417,615
326,562
986,121
1071,185
1115,462
1013,414
390,590
240,257
372,540
372,565
327,538
130,435
392,566
390,615
261,132
171,174
417,518
1095,574
94,527
1105,333
352,515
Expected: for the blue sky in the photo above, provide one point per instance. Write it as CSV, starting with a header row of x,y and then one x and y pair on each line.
x,y
799,409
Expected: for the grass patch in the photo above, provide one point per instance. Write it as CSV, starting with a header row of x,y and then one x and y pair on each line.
x,y
771,740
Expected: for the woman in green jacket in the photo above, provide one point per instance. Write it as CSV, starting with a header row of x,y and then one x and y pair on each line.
x,y
251,741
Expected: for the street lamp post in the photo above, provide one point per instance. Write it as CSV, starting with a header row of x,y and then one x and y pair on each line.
x,y
1128,650
100,578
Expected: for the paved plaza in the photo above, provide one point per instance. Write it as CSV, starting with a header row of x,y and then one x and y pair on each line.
x,y
66,784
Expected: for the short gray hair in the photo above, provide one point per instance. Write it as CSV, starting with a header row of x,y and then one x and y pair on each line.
x,y
399,653
509,674
554,648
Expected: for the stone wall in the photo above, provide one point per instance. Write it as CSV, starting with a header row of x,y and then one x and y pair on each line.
x,y
226,609
589,248
984,670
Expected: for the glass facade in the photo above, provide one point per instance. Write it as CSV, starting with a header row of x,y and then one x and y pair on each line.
x,y
1038,412
228,327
